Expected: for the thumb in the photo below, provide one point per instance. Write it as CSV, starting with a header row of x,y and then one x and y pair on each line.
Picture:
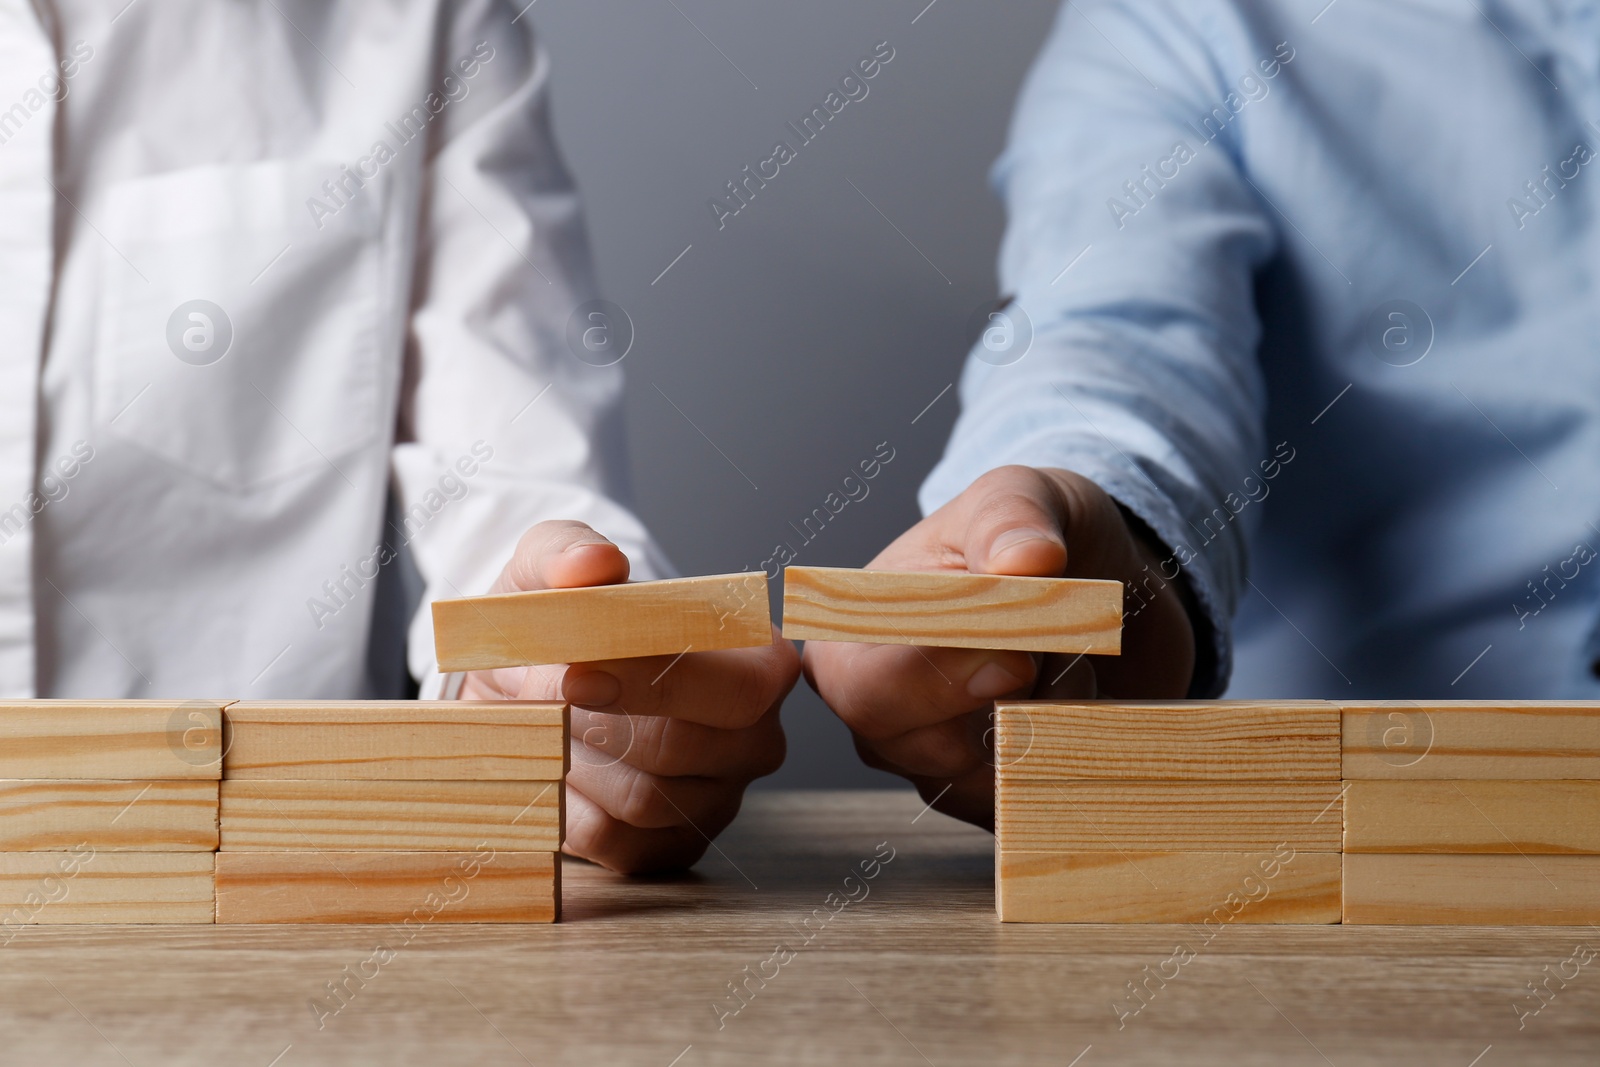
x,y
1014,525
562,555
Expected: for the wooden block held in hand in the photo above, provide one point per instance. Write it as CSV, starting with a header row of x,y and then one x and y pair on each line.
x,y
401,740
111,739
1086,816
1389,890
1528,818
85,886
161,816
457,816
1510,739
953,609
1214,888
605,622
1174,740
388,887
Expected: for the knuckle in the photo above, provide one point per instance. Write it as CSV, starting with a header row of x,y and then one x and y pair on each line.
x,y
663,694
1011,481
640,802
661,748
629,850
747,701
1007,476
865,720
770,752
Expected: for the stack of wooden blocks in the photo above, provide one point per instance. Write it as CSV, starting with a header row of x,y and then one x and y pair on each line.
x,y
1167,812
1472,813
351,812
108,812
335,812
1184,811
1298,812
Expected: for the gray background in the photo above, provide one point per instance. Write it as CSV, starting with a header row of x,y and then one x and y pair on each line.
x,y
808,330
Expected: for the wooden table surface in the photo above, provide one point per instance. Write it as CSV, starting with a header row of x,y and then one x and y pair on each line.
x,y
917,971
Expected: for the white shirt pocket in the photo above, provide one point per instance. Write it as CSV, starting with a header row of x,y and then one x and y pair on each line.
x,y
238,333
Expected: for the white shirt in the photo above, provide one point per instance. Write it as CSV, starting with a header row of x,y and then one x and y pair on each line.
x,y
193,503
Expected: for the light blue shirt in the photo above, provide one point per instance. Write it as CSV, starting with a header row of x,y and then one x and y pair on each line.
x,y
1312,291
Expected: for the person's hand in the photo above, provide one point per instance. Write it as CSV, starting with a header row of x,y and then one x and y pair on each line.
x,y
662,749
924,713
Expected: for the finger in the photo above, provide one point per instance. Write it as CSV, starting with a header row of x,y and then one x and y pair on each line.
x,y
562,555
1066,677
965,794
1012,522
551,555
944,750
968,797
594,835
653,802
515,683
1009,521
675,748
730,689
883,691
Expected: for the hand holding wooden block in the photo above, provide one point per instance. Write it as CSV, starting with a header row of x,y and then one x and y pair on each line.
x,y
953,609
602,622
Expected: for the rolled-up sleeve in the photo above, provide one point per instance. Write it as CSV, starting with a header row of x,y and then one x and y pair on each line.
x,y
1132,243
492,384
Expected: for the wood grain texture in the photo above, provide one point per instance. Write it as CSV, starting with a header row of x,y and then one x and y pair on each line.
x,y
953,609
1173,740
161,816
396,741
1166,816
45,888
111,739
1216,888
458,816
1513,740
1476,890
924,946
606,622
1531,818
388,887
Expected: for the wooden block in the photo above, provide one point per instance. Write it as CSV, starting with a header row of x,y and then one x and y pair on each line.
x,y
161,816
85,886
1175,740
1166,816
1214,888
396,740
111,739
604,622
1388,890
419,888
391,816
953,609
1515,740
1532,818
